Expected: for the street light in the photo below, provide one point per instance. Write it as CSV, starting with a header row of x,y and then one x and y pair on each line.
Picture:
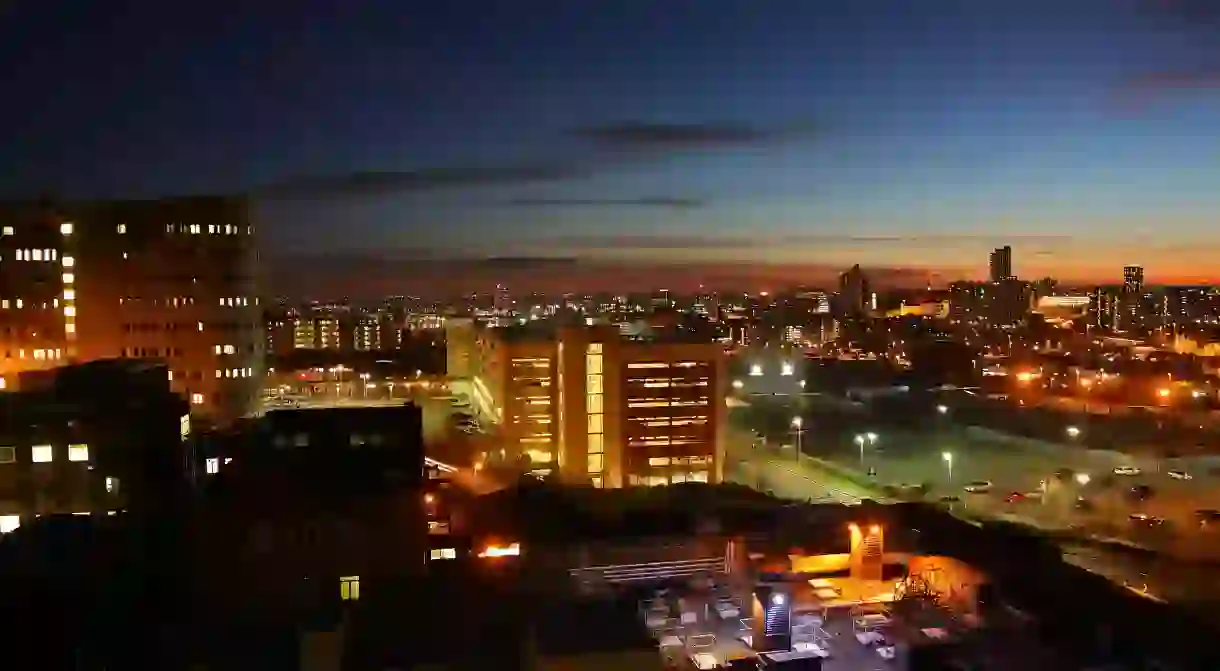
x,y
798,426
861,439
942,409
738,384
947,457
1073,432
1082,479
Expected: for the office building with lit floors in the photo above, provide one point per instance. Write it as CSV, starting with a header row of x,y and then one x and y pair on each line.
x,y
611,411
172,280
513,386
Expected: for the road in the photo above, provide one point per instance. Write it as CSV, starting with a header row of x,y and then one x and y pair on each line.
x,y
1012,465
1060,474
791,480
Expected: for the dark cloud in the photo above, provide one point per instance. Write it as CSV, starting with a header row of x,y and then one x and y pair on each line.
x,y
644,135
1138,92
674,203
378,183
1199,14
690,242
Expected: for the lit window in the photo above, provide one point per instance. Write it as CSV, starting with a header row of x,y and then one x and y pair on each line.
x,y
349,588
78,452
593,404
596,443
38,255
230,349
69,294
8,230
197,399
219,373
212,465
69,328
69,261
41,454
595,424
121,228
443,553
112,485
9,523
8,455
4,304
69,311
69,278
595,463
66,228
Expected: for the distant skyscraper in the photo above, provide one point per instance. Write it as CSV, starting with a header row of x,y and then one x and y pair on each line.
x,y
1001,263
1133,279
853,291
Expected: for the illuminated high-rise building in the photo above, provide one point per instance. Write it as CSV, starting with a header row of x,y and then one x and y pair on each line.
x,y
1001,264
168,279
1133,280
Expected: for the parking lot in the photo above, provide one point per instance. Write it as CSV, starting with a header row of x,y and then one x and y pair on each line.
x,y
704,624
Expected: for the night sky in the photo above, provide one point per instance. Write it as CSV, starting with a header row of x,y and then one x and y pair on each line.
x,y
818,133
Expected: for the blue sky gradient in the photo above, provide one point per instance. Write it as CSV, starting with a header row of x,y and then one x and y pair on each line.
x,y
1085,132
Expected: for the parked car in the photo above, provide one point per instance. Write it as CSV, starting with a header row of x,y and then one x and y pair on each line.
x,y
978,487
1126,470
1180,475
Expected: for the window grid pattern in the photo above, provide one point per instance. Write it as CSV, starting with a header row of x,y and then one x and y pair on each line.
x,y
594,409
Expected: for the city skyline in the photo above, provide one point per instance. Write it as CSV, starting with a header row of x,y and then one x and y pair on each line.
x,y
800,137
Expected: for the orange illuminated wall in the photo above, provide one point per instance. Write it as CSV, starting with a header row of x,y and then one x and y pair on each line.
x,y
639,413
171,279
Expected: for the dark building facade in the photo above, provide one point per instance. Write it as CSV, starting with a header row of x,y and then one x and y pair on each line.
x,y
96,438
310,509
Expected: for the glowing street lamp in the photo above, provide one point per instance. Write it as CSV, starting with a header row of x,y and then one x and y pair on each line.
x,y
942,409
1073,432
861,439
798,425
947,457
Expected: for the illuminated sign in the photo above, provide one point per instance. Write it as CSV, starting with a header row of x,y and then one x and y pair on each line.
x,y
184,426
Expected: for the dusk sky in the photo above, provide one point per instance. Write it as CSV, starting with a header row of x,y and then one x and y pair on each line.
x,y
1085,133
